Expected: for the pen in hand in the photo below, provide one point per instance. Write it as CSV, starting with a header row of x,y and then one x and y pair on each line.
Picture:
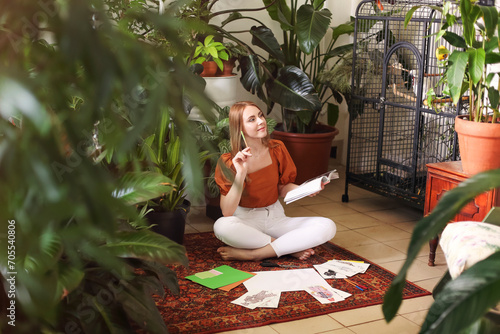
x,y
242,135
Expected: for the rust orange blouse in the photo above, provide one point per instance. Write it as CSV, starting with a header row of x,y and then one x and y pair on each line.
x,y
261,187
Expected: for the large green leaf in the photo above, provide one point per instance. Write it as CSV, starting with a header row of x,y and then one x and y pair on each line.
x,y
139,187
311,27
18,101
293,90
465,299
476,64
342,29
146,245
454,39
250,78
456,73
141,308
430,226
490,16
279,11
264,38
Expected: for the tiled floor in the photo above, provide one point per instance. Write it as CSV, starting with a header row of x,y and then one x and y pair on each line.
x,y
373,227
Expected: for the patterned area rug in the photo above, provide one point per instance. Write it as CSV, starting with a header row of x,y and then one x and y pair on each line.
x,y
202,310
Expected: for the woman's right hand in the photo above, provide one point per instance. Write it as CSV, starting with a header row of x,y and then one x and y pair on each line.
x,y
240,161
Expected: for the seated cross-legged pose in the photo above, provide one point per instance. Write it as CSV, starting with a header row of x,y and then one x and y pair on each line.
x,y
251,179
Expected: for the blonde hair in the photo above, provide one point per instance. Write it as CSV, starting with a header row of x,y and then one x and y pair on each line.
x,y
236,125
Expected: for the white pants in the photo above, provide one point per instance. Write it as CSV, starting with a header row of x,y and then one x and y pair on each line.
x,y
253,228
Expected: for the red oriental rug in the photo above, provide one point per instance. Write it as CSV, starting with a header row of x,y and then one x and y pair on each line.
x,y
199,309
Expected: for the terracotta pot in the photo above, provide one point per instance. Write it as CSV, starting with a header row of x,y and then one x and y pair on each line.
x,y
209,69
479,145
227,68
309,151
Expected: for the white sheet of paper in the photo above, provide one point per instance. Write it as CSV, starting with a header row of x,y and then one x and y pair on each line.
x,y
324,294
328,272
263,298
284,280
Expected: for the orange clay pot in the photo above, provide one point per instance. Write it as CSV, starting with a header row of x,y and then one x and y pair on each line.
x,y
479,145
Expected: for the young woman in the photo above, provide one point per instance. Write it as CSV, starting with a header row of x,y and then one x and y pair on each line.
x,y
251,179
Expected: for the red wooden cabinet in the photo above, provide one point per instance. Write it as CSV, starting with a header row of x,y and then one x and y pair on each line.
x,y
444,176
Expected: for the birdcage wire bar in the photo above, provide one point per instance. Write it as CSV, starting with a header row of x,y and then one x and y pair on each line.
x,y
393,131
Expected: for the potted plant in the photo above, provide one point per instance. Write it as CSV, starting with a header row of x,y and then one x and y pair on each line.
x,y
210,53
466,78
293,76
161,152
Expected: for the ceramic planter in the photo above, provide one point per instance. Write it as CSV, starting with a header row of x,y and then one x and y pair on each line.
x,y
309,151
479,145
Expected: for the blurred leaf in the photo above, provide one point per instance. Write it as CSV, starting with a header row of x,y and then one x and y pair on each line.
x,y
466,298
147,245
139,187
430,226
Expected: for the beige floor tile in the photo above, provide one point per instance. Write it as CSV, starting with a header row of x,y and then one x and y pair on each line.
x,y
416,317
398,325
372,204
384,233
428,284
378,253
415,304
355,193
406,226
394,215
331,209
307,326
341,227
418,270
349,239
254,330
339,331
357,220
359,315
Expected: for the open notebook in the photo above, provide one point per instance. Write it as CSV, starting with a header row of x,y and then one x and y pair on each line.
x,y
310,186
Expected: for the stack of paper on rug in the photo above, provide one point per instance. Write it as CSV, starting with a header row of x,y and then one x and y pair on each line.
x,y
265,287
262,294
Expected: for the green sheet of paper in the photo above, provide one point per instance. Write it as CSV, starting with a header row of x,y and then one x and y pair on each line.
x,y
229,276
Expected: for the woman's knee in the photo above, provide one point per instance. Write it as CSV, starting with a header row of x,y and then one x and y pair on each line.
x,y
329,228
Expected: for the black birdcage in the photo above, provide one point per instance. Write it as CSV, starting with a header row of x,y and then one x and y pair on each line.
x,y
393,131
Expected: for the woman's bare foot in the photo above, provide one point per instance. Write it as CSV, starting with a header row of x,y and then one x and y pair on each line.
x,y
303,255
231,253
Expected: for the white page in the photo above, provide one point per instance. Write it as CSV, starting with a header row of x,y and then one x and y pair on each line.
x,y
284,280
310,187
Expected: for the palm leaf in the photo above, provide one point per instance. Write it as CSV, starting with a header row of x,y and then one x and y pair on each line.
x,y
465,299
141,308
147,245
427,228
167,276
114,320
139,187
